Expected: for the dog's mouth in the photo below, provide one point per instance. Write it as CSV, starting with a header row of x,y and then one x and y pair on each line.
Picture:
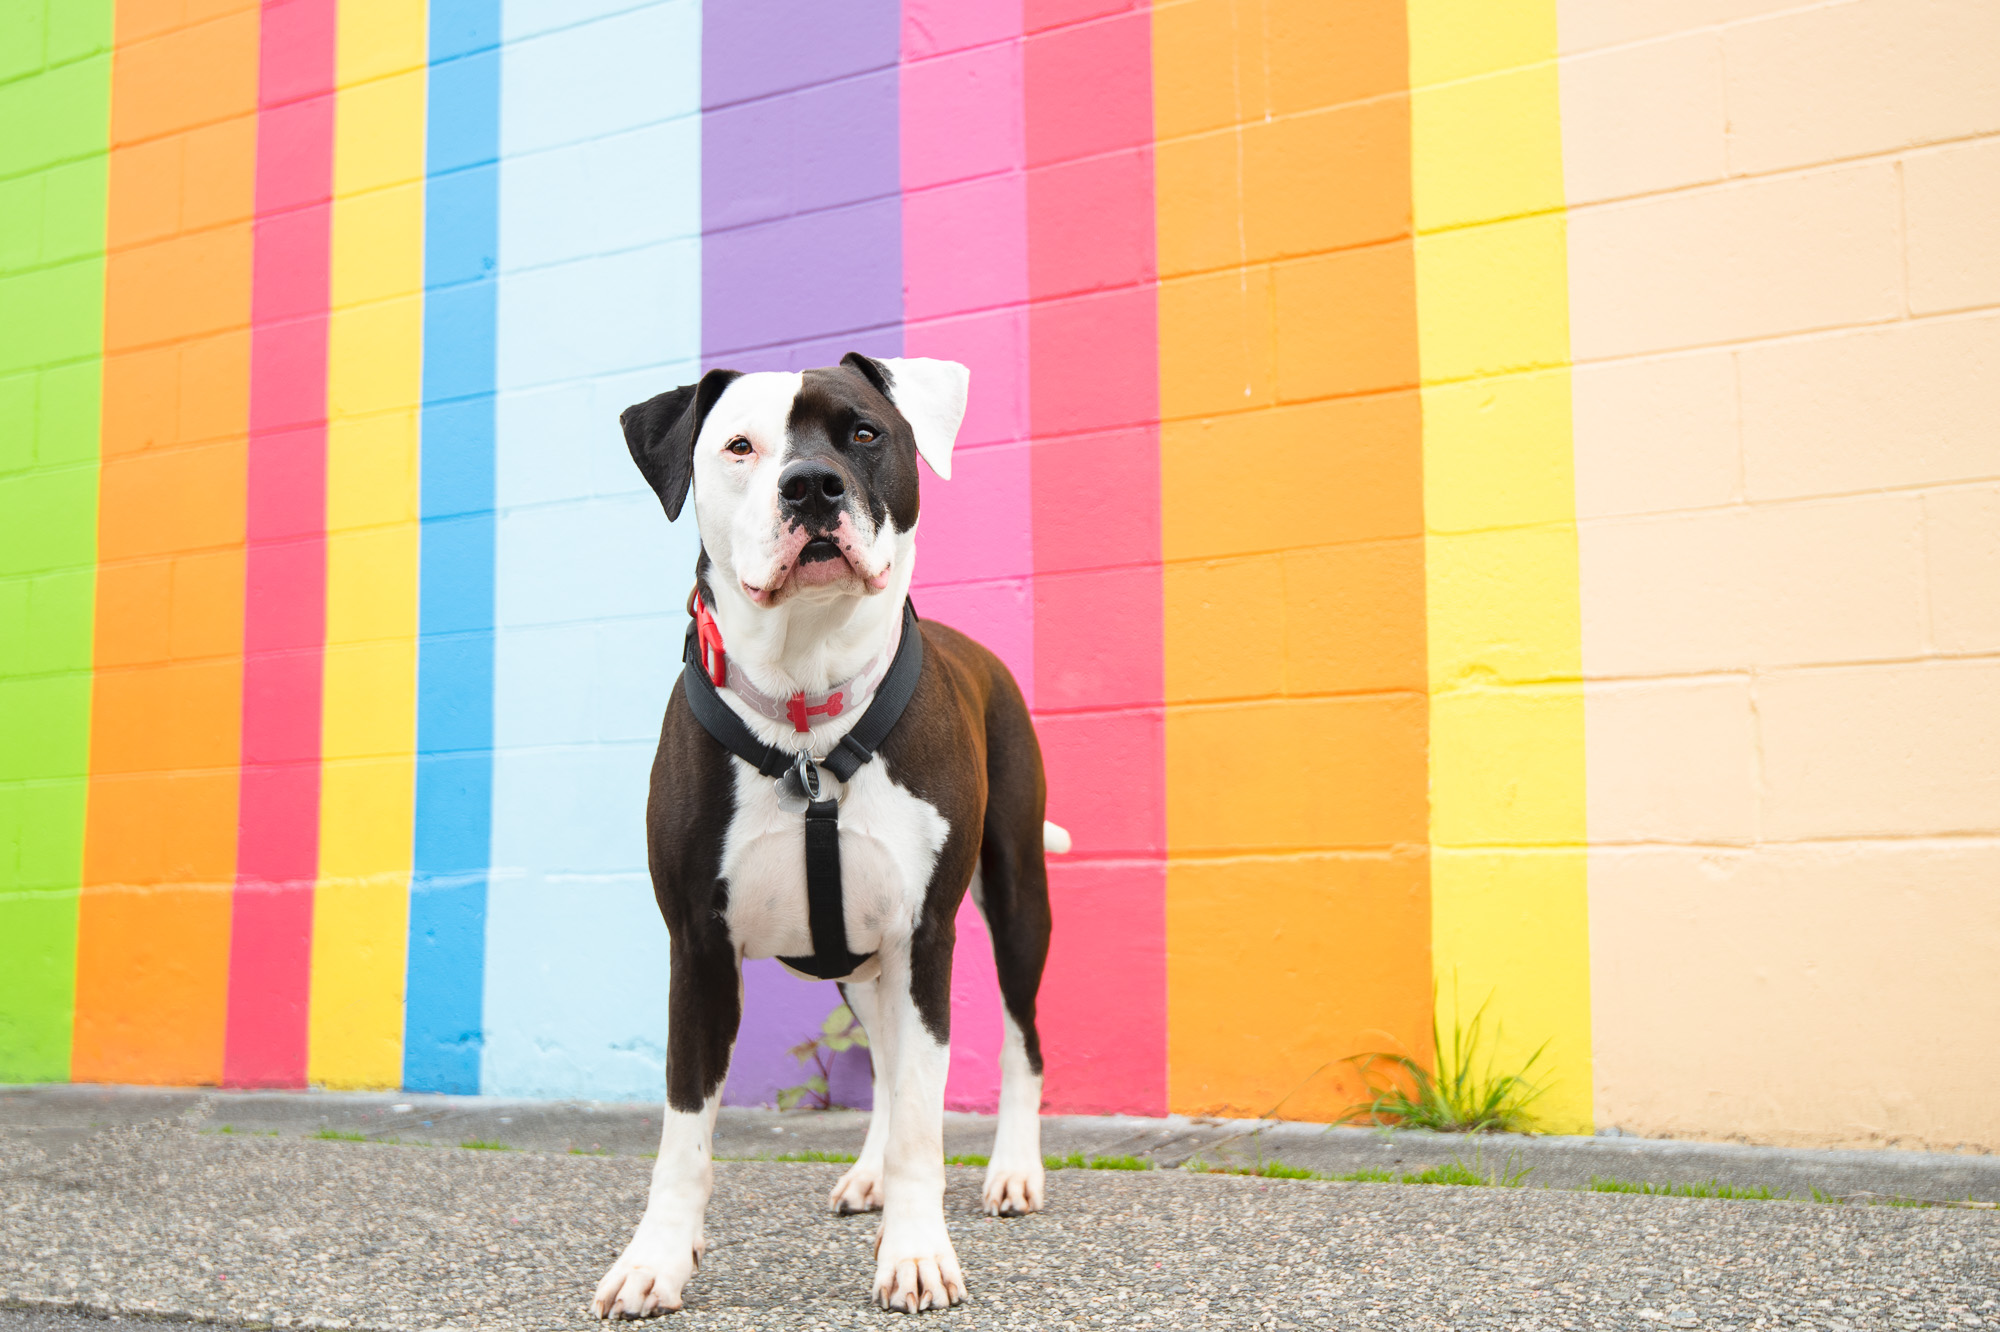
x,y
820,560
818,550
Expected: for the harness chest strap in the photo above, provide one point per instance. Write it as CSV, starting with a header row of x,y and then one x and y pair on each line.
x,y
703,668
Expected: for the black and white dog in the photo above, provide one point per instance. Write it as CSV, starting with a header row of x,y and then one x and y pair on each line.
x,y
805,488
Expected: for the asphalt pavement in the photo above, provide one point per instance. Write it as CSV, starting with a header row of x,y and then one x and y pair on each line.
x,y
58,1116
168,1218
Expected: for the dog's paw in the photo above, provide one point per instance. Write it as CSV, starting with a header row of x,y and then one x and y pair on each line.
x,y
1013,1188
646,1280
859,1190
916,1269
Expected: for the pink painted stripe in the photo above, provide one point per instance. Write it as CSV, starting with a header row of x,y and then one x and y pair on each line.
x,y
284,630
964,151
1099,681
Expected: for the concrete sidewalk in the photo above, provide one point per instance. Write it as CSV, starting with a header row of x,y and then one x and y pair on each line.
x,y
56,1116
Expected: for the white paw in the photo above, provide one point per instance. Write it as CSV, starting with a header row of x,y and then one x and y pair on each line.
x,y
1013,1188
916,1268
859,1190
646,1280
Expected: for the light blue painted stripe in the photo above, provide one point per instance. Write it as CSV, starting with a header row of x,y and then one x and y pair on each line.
x,y
599,299
443,1028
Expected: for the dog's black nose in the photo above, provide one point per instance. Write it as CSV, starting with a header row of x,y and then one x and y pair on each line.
x,y
811,489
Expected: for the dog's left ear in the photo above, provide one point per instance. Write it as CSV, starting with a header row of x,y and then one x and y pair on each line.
x,y
661,432
930,395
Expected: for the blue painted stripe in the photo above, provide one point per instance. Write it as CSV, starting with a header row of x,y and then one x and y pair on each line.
x,y
443,1029
600,286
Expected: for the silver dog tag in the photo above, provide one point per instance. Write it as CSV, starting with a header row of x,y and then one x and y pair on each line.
x,y
800,787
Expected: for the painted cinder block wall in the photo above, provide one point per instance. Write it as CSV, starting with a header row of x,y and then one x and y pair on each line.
x,y
1493,503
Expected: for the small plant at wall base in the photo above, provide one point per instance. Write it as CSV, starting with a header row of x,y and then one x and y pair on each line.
x,y
838,1033
1460,1096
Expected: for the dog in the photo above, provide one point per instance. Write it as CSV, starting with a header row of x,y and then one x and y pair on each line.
x,y
805,493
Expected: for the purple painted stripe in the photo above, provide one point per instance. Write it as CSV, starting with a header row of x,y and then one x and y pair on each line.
x,y
802,260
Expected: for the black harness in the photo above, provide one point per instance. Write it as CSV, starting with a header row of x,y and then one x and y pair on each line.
x,y
825,911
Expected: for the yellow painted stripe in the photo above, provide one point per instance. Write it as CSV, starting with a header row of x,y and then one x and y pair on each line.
x,y
374,386
1509,922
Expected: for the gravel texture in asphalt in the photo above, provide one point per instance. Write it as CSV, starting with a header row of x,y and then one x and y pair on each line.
x,y
164,1218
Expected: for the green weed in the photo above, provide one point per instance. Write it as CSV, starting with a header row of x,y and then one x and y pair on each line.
x,y
1712,1188
968,1159
841,1031
588,1151
813,1154
340,1135
1369,1177
1452,1172
485,1145
1462,1095
1078,1161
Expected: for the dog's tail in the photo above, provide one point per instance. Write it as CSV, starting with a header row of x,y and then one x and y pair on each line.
x,y
1055,838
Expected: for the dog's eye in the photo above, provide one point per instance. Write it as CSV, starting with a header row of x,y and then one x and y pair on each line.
x,y
738,446
864,434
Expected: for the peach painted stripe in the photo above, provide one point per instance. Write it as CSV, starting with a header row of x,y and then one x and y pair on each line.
x,y
285,595
965,193
167,702
1094,408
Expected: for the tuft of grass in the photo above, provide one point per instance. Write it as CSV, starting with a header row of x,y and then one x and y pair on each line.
x,y
226,1128
1119,1163
1462,1095
485,1145
588,1151
1369,1177
1452,1172
813,1154
968,1159
1711,1188
340,1135
1078,1161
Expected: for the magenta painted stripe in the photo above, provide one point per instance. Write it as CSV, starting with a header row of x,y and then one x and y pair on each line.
x,y
1099,683
802,260
965,193
285,573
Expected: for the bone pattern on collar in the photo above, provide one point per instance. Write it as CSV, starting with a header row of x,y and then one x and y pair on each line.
x,y
803,709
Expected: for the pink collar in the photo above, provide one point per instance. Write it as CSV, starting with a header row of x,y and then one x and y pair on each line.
x,y
800,709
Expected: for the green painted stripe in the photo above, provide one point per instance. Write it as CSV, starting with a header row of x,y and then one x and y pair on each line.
x,y
55,112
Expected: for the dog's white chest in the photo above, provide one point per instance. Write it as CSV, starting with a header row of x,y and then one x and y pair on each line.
x,y
889,842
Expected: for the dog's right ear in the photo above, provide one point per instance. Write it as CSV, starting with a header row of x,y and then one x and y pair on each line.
x,y
661,433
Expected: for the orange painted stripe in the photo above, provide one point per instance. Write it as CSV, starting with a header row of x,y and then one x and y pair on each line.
x,y
1292,489
161,832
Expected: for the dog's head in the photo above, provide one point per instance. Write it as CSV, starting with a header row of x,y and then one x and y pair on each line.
x,y
805,483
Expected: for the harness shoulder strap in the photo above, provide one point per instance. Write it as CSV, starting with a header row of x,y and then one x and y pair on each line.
x,y
892,699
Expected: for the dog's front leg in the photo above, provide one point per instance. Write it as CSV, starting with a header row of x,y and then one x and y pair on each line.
x,y
915,1265
860,1189
704,1006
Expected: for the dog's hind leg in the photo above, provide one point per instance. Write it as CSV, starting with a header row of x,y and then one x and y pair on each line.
x,y
1012,890
704,1006
860,1189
